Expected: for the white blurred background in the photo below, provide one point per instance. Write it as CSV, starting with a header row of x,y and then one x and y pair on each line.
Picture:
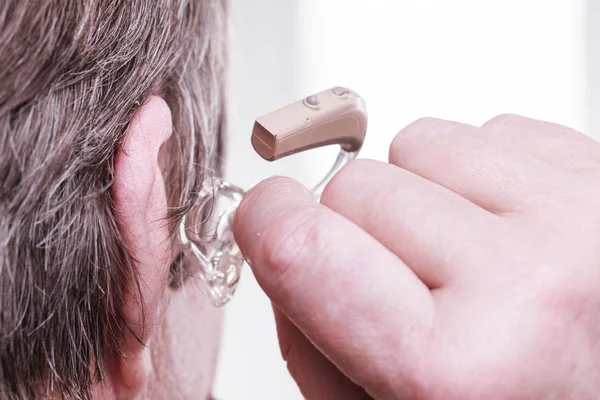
x,y
466,60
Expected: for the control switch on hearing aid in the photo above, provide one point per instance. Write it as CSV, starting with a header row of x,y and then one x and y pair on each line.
x,y
335,116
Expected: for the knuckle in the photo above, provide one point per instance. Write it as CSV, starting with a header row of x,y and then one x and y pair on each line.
x,y
293,243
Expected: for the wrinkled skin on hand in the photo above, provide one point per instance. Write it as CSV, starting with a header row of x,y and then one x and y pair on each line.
x,y
468,267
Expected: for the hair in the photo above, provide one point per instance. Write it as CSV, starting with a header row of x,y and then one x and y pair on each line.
x,y
72,74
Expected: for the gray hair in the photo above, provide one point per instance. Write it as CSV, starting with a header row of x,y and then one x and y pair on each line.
x,y
71,75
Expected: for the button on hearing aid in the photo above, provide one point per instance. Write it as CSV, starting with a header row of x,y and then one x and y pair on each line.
x,y
339,91
312,101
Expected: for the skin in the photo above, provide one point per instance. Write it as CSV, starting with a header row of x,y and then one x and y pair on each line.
x,y
468,267
180,328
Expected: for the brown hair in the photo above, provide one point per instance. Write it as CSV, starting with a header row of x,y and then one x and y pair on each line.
x,y
71,76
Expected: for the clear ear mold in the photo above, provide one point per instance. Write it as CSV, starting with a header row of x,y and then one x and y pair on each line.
x,y
334,116
207,237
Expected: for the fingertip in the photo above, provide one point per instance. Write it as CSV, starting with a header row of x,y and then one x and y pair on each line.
x,y
263,209
264,201
265,189
411,139
350,179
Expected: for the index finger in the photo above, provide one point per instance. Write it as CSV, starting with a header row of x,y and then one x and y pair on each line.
x,y
354,299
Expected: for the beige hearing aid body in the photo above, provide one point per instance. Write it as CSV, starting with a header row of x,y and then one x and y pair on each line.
x,y
335,116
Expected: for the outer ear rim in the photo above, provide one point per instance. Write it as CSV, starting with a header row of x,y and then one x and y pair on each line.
x,y
141,208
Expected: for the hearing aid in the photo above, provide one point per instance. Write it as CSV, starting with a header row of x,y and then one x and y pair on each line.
x,y
336,116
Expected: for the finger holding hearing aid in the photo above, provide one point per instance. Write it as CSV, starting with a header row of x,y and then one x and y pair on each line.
x,y
308,260
465,268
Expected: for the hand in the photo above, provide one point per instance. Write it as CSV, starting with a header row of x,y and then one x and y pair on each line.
x,y
466,268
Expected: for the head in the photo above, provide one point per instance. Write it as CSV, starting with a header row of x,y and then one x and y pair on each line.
x,y
111,116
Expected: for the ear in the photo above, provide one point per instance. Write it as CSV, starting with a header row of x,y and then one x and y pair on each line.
x,y
141,209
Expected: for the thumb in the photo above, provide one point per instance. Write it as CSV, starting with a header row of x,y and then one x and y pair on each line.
x,y
354,300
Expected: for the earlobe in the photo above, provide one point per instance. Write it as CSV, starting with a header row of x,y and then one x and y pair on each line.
x,y
141,211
